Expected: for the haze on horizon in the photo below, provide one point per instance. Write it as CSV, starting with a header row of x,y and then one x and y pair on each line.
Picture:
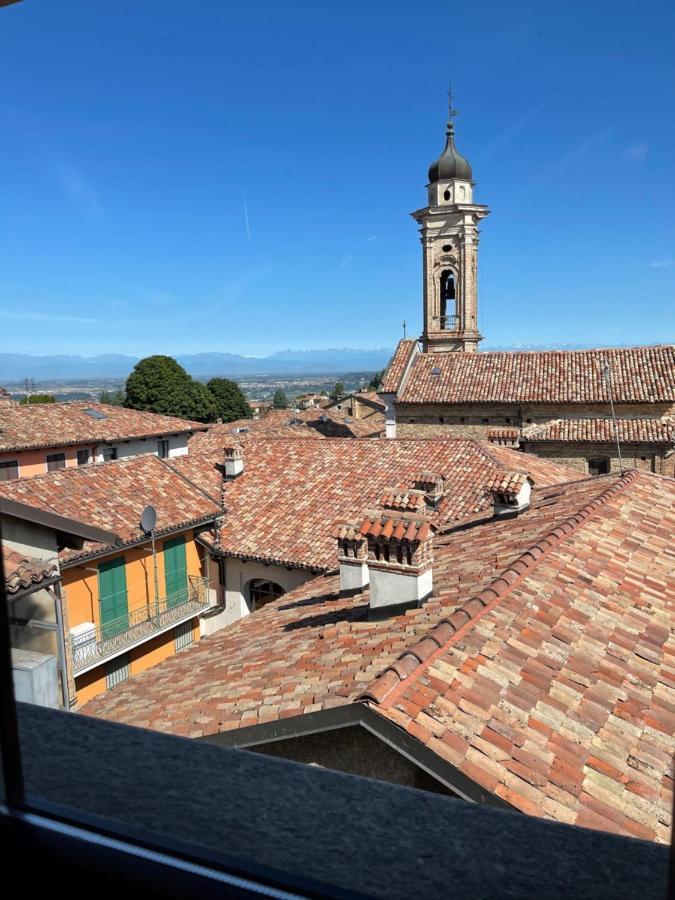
x,y
173,186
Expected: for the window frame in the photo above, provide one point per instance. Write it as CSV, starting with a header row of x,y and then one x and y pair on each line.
x,y
5,466
52,460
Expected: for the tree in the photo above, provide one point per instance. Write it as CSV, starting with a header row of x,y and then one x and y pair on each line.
x,y
337,391
279,400
376,380
229,398
159,384
112,398
38,398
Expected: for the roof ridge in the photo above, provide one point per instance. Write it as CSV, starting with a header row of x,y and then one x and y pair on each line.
x,y
220,503
448,629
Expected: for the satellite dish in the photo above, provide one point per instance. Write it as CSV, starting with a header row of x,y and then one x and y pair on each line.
x,y
148,518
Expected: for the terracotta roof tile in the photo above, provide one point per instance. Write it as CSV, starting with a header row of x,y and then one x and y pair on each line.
x,y
639,375
543,667
630,431
64,424
113,496
22,572
280,507
397,366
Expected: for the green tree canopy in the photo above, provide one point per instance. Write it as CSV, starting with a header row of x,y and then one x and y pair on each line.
x,y
338,391
229,398
159,384
38,398
280,400
376,380
112,398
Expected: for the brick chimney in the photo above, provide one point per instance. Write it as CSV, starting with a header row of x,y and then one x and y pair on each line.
x,y
234,461
352,558
400,559
511,493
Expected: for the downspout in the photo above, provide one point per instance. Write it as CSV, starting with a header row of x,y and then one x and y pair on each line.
x,y
61,638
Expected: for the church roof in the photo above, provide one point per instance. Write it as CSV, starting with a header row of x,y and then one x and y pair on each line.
x,y
638,375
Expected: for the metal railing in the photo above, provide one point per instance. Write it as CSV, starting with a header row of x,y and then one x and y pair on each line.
x,y
116,635
449,323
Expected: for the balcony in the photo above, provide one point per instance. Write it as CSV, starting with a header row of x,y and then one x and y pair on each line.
x,y
449,323
117,635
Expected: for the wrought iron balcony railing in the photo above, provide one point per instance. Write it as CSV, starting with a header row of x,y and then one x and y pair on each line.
x,y
116,635
449,323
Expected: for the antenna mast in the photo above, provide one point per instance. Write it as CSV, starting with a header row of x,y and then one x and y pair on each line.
x,y
608,381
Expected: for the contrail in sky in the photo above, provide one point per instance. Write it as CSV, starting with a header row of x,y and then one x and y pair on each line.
x,y
248,230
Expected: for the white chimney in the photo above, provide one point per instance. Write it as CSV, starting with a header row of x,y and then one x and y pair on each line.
x,y
400,558
511,493
234,461
352,558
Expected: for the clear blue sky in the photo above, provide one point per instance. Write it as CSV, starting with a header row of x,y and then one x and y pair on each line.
x,y
130,132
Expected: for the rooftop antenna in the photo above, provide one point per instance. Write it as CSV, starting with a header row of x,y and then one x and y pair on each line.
x,y
607,372
404,329
148,523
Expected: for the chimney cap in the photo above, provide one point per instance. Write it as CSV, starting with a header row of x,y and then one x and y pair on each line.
x,y
233,451
399,527
510,483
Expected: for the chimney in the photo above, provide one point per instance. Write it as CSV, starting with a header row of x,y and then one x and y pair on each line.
x,y
399,559
234,461
511,493
352,558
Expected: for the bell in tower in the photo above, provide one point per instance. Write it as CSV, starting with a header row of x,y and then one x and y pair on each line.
x,y
449,234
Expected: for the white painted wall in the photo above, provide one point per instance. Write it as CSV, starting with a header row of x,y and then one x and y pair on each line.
x,y
239,572
178,446
389,588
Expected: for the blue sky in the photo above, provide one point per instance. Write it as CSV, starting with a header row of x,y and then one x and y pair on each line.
x,y
135,135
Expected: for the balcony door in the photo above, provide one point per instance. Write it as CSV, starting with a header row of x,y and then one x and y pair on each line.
x,y
112,591
175,571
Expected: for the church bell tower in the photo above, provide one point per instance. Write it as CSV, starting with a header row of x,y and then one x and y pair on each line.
x,y
449,234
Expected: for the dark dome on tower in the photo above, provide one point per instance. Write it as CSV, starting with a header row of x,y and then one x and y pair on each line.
x,y
450,164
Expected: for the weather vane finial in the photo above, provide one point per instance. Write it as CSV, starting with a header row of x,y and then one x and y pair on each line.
x,y
451,112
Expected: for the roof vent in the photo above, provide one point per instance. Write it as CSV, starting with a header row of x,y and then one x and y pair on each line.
x,y
511,493
435,371
234,461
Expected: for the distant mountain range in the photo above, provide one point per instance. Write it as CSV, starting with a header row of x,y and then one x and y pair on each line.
x,y
14,367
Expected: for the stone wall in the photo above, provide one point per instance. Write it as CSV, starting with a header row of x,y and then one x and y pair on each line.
x,y
645,458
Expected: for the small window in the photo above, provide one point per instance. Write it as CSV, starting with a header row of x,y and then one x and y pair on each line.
x,y
109,454
598,466
507,420
9,470
461,420
529,421
94,414
117,671
485,421
83,457
435,371
163,449
447,248
262,592
446,195
183,636
441,420
56,461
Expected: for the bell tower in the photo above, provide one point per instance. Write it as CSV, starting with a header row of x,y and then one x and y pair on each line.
x,y
449,234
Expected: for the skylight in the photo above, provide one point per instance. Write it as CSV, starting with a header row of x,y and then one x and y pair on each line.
x,y
435,371
94,414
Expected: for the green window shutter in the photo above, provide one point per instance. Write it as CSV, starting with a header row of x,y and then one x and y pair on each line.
x,y
175,571
112,591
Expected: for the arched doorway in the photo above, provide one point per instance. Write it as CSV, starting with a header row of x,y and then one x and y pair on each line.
x,y
260,593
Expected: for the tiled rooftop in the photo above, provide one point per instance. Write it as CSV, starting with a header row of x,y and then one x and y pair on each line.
x,y
639,375
281,507
630,431
113,497
397,366
23,572
62,424
543,668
